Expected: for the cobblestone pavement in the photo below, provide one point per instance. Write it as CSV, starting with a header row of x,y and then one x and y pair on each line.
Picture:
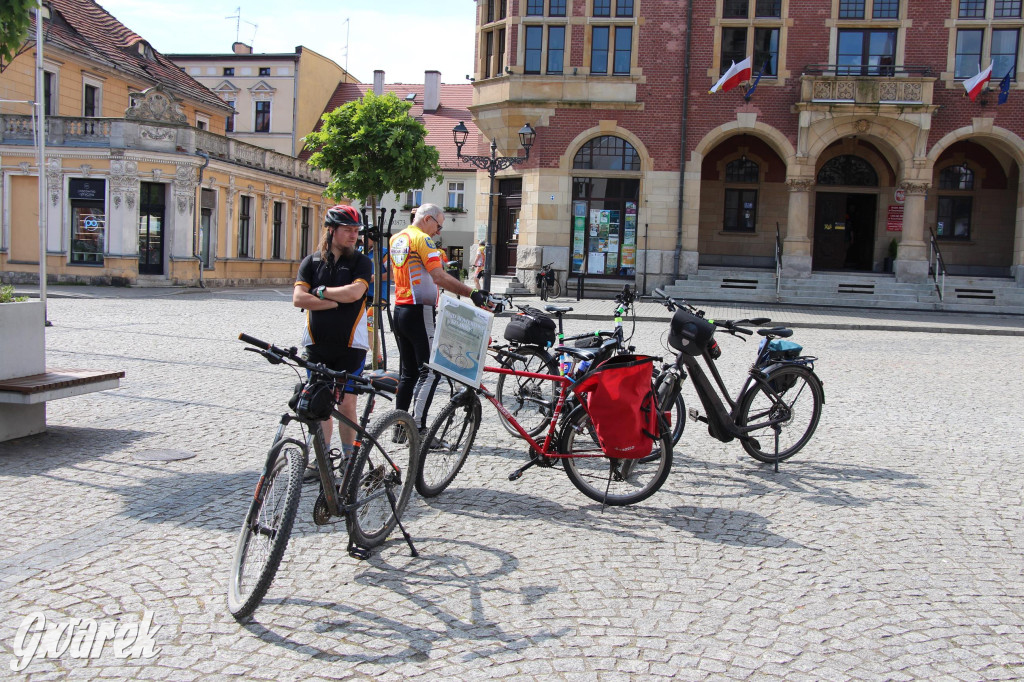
x,y
890,548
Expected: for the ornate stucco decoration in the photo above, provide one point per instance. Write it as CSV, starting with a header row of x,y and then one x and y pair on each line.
x,y
185,188
914,187
124,183
800,184
153,104
53,180
861,125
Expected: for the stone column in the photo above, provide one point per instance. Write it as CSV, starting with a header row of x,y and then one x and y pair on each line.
x,y
796,247
912,258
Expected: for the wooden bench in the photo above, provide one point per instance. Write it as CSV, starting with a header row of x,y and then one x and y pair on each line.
x,y
23,399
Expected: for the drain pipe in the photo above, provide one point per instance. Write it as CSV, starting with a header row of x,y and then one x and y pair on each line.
x,y
682,139
199,211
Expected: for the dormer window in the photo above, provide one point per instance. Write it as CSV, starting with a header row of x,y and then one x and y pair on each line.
x,y
145,50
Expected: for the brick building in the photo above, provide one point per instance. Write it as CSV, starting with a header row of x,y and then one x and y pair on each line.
x,y
859,133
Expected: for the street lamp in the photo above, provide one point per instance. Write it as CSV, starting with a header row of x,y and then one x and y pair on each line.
x,y
492,164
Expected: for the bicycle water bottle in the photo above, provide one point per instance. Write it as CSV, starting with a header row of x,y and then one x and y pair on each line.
x,y
565,365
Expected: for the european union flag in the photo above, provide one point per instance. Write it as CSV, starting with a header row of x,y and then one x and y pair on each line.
x,y
1004,88
750,90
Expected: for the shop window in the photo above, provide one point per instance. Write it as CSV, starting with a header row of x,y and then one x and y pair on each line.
x,y
88,220
604,228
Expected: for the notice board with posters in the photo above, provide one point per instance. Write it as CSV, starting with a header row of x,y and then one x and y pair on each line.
x,y
894,218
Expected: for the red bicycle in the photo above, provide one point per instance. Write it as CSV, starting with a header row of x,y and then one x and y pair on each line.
x,y
608,460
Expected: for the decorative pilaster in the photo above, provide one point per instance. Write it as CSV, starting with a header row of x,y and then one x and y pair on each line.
x,y
912,258
796,246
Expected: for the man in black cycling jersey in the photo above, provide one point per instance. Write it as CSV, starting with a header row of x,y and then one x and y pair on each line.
x,y
331,287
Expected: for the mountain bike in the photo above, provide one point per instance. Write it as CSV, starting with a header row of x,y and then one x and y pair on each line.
x,y
547,282
369,489
575,440
779,404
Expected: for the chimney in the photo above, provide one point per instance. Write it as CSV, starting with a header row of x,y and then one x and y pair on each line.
x,y
241,48
432,91
378,82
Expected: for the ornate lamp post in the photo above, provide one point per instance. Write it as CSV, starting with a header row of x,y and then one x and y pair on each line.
x,y
492,164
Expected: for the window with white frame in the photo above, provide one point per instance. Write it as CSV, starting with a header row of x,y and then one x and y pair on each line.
x,y
413,198
244,226
92,97
457,195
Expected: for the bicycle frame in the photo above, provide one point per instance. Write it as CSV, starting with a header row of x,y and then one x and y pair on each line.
x,y
722,421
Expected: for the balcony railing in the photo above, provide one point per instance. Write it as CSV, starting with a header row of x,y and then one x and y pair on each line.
x,y
832,84
118,133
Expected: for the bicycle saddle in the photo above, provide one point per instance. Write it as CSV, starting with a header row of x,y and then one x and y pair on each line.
x,y
777,332
383,380
558,308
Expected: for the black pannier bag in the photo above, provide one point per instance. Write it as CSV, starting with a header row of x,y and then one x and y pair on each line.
x,y
690,334
531,326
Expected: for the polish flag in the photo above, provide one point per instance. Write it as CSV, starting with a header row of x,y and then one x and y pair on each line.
x,y
738,73
974,85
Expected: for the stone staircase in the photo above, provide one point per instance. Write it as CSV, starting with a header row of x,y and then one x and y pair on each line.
x,y
854,289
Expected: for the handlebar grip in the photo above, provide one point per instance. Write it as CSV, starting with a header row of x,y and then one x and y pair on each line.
x,y
741,330
253,341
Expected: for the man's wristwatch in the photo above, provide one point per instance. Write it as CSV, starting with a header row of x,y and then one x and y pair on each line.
x,y
319,291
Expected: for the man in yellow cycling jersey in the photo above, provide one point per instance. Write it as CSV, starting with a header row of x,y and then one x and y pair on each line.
x,y
418,272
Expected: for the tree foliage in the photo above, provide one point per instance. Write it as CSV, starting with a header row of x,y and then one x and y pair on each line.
x,y
15,19
373,147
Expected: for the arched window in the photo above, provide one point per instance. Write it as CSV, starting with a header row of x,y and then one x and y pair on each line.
x,y
740,214
848,170
956,203
607,153
605,208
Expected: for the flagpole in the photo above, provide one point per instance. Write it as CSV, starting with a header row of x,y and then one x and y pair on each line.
x,y
40,106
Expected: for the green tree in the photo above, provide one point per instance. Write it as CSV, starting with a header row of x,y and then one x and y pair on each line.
x,y
15,19
373,147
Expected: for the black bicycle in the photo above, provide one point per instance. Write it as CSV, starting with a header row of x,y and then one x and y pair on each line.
x,y
369,489
547,282
778,407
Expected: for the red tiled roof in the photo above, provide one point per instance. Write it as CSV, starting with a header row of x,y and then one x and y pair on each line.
x,y
455,101
86,29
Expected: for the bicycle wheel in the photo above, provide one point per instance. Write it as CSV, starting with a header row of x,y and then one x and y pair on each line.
x,y
543,289
795,412
676,414
556,289
371,476
609,480
530,401
446,445
265,533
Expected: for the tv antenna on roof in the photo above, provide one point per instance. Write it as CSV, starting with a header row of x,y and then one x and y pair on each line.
x,y
237,16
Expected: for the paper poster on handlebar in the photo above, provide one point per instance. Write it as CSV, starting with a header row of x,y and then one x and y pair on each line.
x,y
461,334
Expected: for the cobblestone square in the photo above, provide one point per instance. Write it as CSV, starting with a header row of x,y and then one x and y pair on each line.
x,y
890,548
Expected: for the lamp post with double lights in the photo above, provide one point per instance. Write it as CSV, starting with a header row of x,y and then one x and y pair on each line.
x,y
492,164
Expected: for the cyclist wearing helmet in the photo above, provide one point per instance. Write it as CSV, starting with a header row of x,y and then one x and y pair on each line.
x,y
418,272
331,287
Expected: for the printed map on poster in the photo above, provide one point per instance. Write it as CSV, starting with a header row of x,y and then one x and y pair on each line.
x,y
460,340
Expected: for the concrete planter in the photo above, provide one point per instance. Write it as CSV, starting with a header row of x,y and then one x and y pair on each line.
x,y
22,353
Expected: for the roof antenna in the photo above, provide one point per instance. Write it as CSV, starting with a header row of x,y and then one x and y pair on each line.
x,y
237,16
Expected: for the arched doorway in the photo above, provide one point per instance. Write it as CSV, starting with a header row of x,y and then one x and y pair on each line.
x,y
844,219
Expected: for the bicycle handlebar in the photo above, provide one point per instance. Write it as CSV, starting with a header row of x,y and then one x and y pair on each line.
x,y
277,355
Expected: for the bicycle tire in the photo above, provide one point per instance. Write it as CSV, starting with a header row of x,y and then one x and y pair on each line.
x,y
446,445
530,401
677,413
804,398
370,521
266,529
556,289
543,289
608,480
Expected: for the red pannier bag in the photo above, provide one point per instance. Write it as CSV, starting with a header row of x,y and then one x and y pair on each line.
x,y
621,402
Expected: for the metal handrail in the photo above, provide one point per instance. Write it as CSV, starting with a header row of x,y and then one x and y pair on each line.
x,y
936,265
875,71
778,261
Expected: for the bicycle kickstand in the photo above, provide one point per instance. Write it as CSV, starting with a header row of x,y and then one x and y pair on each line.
x,y
394,510
518,473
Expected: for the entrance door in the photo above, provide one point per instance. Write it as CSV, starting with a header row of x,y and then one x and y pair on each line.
x,y
507,244
151,228
844,231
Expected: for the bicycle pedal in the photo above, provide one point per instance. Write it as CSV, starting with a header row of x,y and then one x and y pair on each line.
x,y
515,475
696,416
357,552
